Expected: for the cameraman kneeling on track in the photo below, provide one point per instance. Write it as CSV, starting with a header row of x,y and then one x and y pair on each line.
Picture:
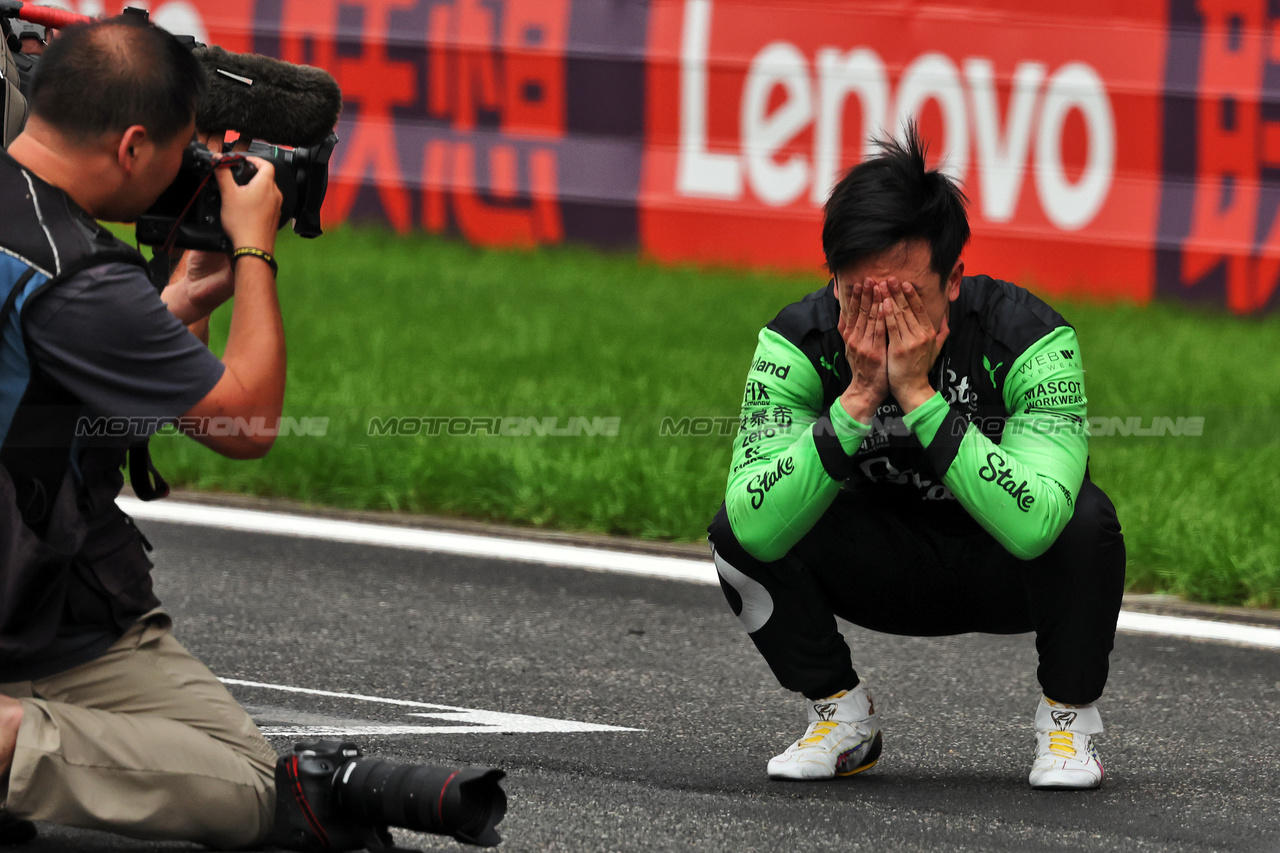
x,y
106,721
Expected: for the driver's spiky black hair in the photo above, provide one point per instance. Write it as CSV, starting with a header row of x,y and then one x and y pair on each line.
x,y
890,198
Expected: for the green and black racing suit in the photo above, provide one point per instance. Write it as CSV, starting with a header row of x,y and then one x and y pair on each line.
x,y
945,520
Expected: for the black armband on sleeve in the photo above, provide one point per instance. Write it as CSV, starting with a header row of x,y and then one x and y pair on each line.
x,y
942,451
838,464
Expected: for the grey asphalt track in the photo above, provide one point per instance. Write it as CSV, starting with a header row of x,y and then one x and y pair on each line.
x,y
1192,749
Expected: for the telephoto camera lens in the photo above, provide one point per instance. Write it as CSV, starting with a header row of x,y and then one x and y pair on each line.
x,y
466,804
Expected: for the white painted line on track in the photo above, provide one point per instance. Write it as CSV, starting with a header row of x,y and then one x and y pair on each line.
x,y
473,721
444,542
597,559
1199,629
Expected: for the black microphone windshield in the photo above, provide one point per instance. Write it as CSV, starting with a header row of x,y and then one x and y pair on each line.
x,y
267,99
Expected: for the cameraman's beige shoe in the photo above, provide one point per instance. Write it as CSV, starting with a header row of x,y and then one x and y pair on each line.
x,y
842,739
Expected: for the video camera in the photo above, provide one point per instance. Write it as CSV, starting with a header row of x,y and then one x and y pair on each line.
x,y
289,112
188,214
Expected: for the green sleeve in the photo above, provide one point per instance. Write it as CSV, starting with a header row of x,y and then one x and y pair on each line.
x,y
1023,490
790,455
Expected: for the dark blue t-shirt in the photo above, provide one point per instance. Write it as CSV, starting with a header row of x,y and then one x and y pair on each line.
x,y
105,336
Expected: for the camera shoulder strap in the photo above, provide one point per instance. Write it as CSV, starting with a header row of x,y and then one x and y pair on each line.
x,y
14,114
146,481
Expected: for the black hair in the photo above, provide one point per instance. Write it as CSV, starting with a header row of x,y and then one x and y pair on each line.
x,y
106,76
892,197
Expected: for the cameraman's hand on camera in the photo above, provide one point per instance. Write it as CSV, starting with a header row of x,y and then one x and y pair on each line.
x,y
252,386
208,279
201,282
251,213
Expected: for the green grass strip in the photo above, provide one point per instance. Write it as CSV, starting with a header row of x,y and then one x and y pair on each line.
x,y
384,327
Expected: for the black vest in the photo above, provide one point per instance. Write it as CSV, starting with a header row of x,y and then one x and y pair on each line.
x,y
992,323
69,558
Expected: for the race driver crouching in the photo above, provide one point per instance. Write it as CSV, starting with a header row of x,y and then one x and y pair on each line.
x,y
913,458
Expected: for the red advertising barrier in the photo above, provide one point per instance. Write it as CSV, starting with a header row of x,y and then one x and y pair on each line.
x,y
1109,151
1051,125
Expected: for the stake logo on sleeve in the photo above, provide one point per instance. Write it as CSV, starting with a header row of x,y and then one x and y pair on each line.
x,y
762,483
997,471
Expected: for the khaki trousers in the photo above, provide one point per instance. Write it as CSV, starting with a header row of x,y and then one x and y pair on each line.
x,y
143,741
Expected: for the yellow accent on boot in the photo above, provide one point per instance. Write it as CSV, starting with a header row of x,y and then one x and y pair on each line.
x,y
1062,743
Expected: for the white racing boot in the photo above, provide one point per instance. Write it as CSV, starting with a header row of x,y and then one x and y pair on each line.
x,y
842,739
1065,754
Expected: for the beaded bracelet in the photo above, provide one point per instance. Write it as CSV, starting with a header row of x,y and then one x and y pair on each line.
x,y
250,252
